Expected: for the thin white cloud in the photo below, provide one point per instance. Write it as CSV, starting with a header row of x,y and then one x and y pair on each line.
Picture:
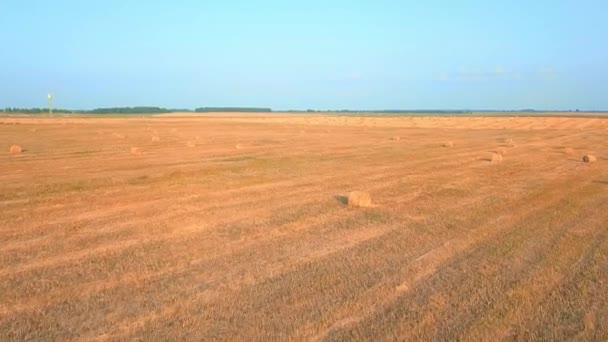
x,y
547,73
498,73
347,77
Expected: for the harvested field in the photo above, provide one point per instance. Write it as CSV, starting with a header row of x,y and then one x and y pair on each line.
x,y
248,237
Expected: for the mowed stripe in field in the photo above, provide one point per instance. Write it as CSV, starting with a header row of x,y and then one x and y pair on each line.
x,y
254,242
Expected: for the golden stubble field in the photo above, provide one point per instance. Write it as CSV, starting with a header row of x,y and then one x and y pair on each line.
x,y
233,227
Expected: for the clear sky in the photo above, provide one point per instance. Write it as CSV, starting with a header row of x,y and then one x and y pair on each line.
x,y
321,54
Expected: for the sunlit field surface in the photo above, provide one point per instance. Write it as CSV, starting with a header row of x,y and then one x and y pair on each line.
x,y
234,227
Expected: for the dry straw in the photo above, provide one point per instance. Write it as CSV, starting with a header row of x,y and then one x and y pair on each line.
x,y
496,158
15,149
359,199
589,159
135,150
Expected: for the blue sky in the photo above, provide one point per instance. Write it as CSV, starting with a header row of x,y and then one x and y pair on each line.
x,y
544,54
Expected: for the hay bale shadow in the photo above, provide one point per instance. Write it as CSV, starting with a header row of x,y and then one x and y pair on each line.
x,y
342,199
600,182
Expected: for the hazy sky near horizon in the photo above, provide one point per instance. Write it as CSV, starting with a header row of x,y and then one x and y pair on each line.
x,y
436,54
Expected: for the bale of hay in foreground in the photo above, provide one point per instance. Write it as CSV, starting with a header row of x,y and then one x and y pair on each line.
x,y
496,158
359,199
589,159
15,149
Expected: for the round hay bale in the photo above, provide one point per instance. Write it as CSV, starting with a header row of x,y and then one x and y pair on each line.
x,y
396,138
448,144
135,150
589,159
496,158
359,199
191,144
238,147
15,149
155,139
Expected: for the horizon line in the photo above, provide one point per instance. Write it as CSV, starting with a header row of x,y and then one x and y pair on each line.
x,y
9,109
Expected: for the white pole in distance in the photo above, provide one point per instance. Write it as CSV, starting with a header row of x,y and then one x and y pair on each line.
x,y
49,98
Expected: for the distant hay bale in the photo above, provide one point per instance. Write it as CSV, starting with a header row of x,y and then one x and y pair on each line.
x,y
569,150
448,144
15,149
33,130
191,144
359,199
238,147
118,135
396,138
589,321
135,150
501,151
589,159
155,139
496,158
509,142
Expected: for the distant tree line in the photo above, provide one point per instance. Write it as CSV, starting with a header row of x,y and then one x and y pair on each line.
x,y
134,110
160,110
36,110
113,110
232,110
